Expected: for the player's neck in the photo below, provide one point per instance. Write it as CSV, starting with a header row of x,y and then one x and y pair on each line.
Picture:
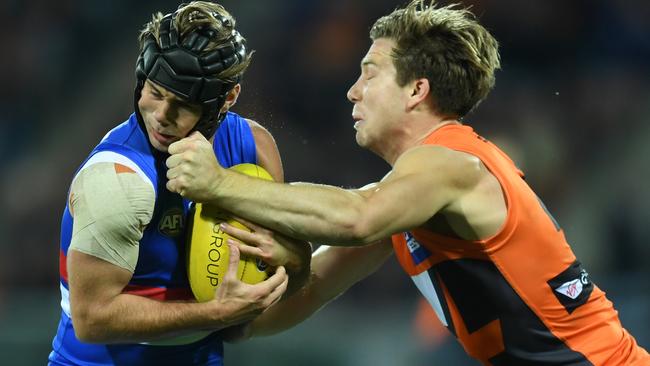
x,y
441,123
413,134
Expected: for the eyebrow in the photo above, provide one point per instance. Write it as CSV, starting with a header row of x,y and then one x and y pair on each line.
x,y
368,63
154,87
158,90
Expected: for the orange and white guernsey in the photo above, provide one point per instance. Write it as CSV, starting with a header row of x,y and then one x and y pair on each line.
x,y
519,297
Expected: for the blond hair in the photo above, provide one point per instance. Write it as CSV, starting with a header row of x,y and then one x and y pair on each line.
x,y
195,14
445,45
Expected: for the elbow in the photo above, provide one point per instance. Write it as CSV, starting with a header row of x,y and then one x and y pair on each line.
x,y
84,332
356,228
86,328
361,233
84,335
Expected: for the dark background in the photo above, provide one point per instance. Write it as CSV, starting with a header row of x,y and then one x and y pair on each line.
x,y
571,106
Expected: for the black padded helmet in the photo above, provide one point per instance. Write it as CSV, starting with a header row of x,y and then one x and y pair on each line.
x,y
182,67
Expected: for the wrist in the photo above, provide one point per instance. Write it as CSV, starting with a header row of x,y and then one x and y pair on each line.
x,y
218,184
293,264
299,273
216,315
300,260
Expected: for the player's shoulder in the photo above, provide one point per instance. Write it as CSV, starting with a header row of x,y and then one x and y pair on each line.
x,y
257,127
258,130
105,190
455,167
106,177
236,118
261,134
268,155
113,162
438,157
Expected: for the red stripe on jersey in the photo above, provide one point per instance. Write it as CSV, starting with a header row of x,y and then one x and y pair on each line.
x,y
159,293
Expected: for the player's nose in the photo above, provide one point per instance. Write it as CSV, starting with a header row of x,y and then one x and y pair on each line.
x,y
163,112
354,94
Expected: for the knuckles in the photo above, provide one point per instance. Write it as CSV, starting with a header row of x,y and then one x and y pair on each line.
x,y
267,242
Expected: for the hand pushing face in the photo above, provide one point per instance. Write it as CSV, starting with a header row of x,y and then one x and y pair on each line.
x,y
193,169
166,117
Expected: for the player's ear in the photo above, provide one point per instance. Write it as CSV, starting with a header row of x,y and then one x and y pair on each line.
x,y
231,99
419,90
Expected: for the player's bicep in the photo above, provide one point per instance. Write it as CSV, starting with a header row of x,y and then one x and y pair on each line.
x,y
268,156
422,182
93,281
110,206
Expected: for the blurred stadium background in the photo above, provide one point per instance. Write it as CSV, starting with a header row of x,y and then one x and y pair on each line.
x,y
571,106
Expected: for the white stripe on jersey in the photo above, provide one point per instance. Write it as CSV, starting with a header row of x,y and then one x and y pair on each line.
x,y
65,300
113,157
424,284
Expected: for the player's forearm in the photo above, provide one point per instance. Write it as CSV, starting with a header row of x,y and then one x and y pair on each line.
x,y
334,271
131,318
288,313
300,210
292,311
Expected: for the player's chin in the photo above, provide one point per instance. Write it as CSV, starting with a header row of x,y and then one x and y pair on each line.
x,y
158,145
361,139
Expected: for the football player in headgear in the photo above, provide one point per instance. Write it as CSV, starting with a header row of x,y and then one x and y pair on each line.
x,y
125,293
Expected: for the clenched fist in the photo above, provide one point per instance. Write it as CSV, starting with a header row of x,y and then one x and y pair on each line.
x,y
193,170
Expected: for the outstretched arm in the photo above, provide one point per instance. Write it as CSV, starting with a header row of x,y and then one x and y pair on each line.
x,y
333,271
423,181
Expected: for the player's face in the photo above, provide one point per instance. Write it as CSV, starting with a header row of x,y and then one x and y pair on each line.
x,y
166,117
378,100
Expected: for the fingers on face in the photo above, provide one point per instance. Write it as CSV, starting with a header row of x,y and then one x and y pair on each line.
x,y
180,149
176,147
196,135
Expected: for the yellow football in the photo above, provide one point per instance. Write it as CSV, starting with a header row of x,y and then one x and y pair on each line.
x,y
207,251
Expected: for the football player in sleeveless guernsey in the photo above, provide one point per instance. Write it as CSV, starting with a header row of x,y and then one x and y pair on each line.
x,y
473,236
126,299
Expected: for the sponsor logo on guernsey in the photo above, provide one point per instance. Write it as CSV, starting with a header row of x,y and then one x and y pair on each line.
x,y
171,223
572,287
418,252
